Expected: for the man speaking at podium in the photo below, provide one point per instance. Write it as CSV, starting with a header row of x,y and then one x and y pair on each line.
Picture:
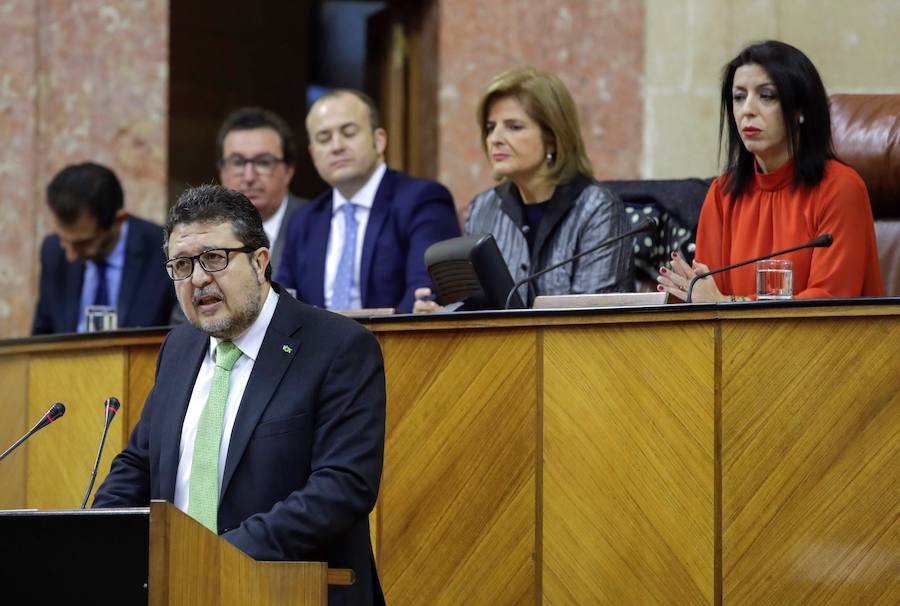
x,y
266,420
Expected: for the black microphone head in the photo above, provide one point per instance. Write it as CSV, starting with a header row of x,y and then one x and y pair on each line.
x,y
110,408
56,411
53,413
650,224
822,241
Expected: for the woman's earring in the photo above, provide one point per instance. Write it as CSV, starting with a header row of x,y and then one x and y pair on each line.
x,y
801,119
550,158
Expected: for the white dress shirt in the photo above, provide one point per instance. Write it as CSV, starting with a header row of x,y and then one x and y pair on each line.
x,y
272,225
249,343
363,199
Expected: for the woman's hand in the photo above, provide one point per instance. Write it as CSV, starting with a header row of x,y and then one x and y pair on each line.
x,y
676,279
425,302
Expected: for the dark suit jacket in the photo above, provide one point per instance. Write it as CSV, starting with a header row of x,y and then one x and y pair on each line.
x,y
305,457
407,216
146,294
293,203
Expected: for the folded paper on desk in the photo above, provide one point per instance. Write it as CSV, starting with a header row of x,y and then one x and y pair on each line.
x,y
367,312
614,299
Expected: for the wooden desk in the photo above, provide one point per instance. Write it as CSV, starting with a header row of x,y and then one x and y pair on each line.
x,y
733,454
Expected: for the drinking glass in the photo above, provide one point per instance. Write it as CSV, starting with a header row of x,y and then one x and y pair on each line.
x,y
774,279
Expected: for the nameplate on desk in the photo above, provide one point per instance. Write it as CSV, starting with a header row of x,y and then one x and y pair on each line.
x,y
613,299
367,312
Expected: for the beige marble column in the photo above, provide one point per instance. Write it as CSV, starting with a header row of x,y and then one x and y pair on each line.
x,y
595,46
80,81
18,163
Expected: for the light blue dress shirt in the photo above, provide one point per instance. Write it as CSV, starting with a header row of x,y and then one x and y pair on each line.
x,y
115,264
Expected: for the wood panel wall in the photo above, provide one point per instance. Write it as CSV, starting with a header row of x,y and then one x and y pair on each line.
x,y
811,461
628,478
52,469
457,497
13,424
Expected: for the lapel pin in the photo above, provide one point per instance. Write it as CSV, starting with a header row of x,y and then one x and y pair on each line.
x,y
286,349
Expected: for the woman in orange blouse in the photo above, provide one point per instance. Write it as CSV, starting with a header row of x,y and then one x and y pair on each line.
x,y
783,187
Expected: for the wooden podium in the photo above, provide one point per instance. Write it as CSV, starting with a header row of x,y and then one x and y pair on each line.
x,y
157,556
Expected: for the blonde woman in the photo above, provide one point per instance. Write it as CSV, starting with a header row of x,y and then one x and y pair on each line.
x,y
547,206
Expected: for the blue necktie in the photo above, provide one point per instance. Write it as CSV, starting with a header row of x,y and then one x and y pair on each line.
x,y
343,279
101,295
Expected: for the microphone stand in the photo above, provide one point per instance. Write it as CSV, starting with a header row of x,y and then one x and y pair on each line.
x,y
55,412
824,240
645,226
112,407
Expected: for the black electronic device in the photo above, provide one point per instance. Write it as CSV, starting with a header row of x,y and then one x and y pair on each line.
x,y
469,271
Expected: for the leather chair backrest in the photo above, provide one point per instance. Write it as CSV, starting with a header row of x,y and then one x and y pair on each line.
x,y
866,133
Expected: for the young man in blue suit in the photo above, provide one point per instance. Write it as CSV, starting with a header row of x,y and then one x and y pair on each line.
x,y
362,243
99,255
266,420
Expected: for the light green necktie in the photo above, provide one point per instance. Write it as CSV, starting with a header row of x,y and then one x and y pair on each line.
x,y
203,497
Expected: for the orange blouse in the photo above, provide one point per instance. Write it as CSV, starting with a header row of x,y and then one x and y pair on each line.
x,y
772,215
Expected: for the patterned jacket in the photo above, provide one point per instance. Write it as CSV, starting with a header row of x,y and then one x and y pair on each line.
x,y
580,215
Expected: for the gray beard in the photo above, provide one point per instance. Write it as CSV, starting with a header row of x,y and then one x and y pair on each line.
x,y
244,315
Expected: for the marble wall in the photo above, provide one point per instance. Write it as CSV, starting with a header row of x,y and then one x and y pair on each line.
x,y
80,81
89,81
18,164
595,46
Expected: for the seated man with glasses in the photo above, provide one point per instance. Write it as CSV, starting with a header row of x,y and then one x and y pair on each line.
x,y
256,153
98,255
266,419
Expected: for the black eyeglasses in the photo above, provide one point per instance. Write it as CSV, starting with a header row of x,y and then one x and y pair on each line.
x,y
263,164
213,260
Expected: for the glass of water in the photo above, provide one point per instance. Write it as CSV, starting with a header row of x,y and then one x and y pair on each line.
x,y
774,279
101,318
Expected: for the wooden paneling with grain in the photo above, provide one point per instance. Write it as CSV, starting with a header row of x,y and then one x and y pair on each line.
x,y
628,475
811,461
13,425
458,492
191,565
141,376
59,471
737,455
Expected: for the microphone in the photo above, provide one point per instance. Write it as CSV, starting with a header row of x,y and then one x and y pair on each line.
x,y
822,241
112,407
647,225
55,412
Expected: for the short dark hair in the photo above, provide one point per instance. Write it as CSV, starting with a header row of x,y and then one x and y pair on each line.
x,y
85,188
249,118
369,102
215,204
800,92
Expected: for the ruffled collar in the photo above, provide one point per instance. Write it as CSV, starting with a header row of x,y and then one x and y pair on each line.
x,y
774,180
